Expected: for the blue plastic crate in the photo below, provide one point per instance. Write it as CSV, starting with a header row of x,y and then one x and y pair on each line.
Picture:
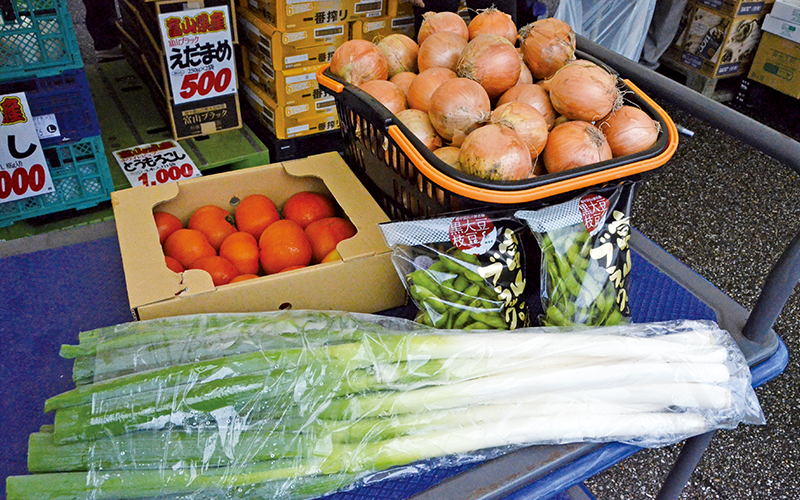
x,y
81,178
37,39
67,96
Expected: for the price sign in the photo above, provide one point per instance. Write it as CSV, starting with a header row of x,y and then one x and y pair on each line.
x,y
156,163
23,167
199,49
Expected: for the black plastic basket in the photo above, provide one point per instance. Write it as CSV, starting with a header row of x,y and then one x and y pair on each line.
x,y
409,181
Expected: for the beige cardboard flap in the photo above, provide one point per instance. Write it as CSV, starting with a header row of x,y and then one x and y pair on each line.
x,y
353,197
146,275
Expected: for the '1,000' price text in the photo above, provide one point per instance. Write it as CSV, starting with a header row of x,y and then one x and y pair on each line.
x,y
164,175
21,180
203,83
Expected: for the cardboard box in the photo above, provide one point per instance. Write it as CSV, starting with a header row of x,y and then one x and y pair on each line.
x,y
788,10
288,15
375,29
785,29
737,7
399,8
285,86
293,120
777,65
715,44
364,281
299,48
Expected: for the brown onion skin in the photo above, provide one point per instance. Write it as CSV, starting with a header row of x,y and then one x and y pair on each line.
x,y
629,130
390,47
441,50
433,22
574,144
526,121
458,107
359,61
547,45
493,20
533,94
387,93
495,153
403,80
449,155
420,91
492,61
420,125
582,90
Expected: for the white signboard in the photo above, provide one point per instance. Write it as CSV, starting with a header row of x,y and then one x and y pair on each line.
x,y
23,167
156,163
199,48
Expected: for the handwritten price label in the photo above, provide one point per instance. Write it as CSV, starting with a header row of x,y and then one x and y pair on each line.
x,y
156,163
22,181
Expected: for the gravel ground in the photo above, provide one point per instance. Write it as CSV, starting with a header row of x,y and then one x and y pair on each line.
x,y
727,211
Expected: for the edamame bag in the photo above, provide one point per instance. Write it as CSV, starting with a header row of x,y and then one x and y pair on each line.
x,y
464,271
586,259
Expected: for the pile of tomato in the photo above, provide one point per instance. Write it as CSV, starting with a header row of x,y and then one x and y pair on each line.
x,y
256,238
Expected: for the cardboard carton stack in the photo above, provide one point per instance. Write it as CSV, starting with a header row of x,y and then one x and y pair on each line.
x,y
182,49
718,38
777,61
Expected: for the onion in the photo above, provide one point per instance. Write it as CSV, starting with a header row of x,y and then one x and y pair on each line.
x,y
419,124
629,130
582,90
547,45
526,121
575,144
492,61
533,94
401,53
458,107
421,89
495,21
387,93
433,22
441,50
496,153
449,155
525,75
359,61
403,80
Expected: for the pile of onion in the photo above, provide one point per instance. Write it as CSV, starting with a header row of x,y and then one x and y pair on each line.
x,y
629,130
403,80
433,22
458,107
495,153
387,93
359,61
526,121
533,94
449,155
575,144
582,90
419,124
492,61
401,53
547,45
495,21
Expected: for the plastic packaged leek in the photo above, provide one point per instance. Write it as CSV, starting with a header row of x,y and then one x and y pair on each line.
x,y
586,260
463,271
293,405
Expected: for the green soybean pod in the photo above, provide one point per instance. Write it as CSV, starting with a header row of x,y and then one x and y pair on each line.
x,y
461,283
423,279
462,319
477,325
454,266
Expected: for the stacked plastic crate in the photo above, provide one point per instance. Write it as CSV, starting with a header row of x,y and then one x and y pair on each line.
x,y
40,57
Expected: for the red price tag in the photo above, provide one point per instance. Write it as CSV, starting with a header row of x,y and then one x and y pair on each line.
x,y
22,181
202,84
169,174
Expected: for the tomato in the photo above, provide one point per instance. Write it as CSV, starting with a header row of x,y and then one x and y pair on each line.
x,y
220,269
284,244
212,221
187,245
307,206
241,249
325,234
255,213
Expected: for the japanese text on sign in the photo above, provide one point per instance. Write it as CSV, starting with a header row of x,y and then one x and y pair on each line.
x,y
23,167
156,163
199,49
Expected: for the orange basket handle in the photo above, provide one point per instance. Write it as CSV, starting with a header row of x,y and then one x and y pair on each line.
x,y
535,193
329,83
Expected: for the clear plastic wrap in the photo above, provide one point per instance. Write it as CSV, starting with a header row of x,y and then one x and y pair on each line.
x,y
463,271
586,261
619,25
328,411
